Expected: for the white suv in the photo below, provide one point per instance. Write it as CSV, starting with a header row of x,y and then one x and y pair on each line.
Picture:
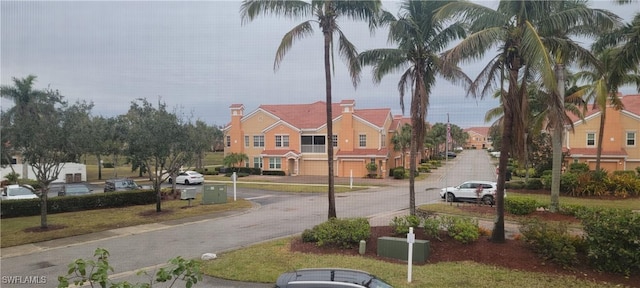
x,y
472,191
15,191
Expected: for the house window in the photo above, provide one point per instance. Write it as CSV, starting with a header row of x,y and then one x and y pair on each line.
x,y
282,140
383,140
362,140
591,139
257,162
275,163
313,144
228,141
631,138
334,140
246,141
258,141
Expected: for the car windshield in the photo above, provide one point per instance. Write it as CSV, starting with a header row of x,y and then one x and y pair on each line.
x,y
18,191
126,184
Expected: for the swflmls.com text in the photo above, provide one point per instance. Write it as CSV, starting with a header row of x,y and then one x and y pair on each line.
x,y
24,280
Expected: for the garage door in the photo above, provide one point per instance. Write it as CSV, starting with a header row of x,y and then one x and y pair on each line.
x,y
358,168
314,167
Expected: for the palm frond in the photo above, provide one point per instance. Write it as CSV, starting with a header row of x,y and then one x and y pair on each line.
x,y
250,9
300,31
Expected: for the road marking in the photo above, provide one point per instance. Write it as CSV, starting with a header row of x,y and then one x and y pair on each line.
x,y
259,197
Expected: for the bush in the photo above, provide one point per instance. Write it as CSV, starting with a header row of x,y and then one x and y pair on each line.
x,y
551,241
568,182
534,184
520,206
273,173
462,229
399,173
432,227
401,224
624,184
578,167
612,240
343,233
515,185
107,165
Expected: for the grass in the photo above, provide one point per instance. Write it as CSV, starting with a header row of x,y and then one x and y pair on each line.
x,y
264,262
14,230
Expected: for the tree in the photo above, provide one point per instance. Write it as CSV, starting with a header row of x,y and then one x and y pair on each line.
x,y
39,134
202,136
420,38
326,15
401,141
234,158
159,141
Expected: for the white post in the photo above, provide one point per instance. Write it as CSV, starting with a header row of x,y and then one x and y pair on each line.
x,y
411,238
234,177
351,179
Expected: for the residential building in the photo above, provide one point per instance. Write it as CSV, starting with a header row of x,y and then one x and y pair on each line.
x,y
478,138
620,149
292,138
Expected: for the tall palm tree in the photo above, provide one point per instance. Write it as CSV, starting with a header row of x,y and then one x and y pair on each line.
x,y
420,38
627,40
513,29
326,13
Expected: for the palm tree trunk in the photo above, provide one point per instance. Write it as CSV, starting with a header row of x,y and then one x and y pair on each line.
x,y
556,141
600,137
329,142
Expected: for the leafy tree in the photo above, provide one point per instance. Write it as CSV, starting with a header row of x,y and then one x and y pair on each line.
x,y
401,141
326,15
158,140
234,158
420,38
202,136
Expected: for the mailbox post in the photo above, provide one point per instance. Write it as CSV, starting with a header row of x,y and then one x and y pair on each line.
x,y
411,238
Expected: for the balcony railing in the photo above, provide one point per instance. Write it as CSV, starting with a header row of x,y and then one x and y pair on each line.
x,y
313,149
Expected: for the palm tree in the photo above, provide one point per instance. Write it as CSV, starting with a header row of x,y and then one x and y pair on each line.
x,y
326,15
401,141
627,40
420,38
513,29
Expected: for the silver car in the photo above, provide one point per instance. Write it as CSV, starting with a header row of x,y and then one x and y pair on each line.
x,y
329,277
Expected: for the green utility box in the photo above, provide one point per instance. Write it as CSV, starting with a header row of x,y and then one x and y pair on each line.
x,y
398,248
214,194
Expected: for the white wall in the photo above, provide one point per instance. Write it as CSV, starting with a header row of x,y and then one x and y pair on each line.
x,y
68,168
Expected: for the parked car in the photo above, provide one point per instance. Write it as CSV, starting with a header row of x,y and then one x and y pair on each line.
x,y
73,189
329,277
121,184
470,191
15,191
188,177
450,154
495,154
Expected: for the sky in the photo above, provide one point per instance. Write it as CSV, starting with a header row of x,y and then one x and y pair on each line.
x,y
199,58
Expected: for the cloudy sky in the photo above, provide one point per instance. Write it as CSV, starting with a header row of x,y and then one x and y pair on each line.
x,y
198,58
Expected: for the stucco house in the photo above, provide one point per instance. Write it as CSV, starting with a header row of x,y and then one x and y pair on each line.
x,y
620,149
292,138
478,138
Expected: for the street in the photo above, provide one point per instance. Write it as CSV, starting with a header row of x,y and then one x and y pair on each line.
x,y
276,215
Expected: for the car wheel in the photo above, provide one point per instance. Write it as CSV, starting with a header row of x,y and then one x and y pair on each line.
x,y
450,197
186,182
487,200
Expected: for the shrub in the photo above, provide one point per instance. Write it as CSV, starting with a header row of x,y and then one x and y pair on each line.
x,y
612,240
546,181
107,165
401,224
273,173
568,182
551,241
432,227
578,167
534,184
399,173
515,185
344,233
624,184
624,172
462,229
520,206
308,235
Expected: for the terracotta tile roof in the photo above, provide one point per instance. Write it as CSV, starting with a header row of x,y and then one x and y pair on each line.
x,y
280,152
235,106
593,151
313,116
479,130
631,104
399,121
384,152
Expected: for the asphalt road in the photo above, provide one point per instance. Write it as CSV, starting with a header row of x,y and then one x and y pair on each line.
x,y
276,215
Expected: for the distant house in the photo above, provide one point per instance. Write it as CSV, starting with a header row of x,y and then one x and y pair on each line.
x,y
620,149
292,138
478,138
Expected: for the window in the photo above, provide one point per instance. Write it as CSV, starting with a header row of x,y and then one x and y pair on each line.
x,y
275,163
257,162
228,141
334,140
258,141
282,140
631,138
313,144
383,140
246,141
591,139
362,140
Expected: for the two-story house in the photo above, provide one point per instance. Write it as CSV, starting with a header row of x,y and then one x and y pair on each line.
x,y
293,138
478,138
620,149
